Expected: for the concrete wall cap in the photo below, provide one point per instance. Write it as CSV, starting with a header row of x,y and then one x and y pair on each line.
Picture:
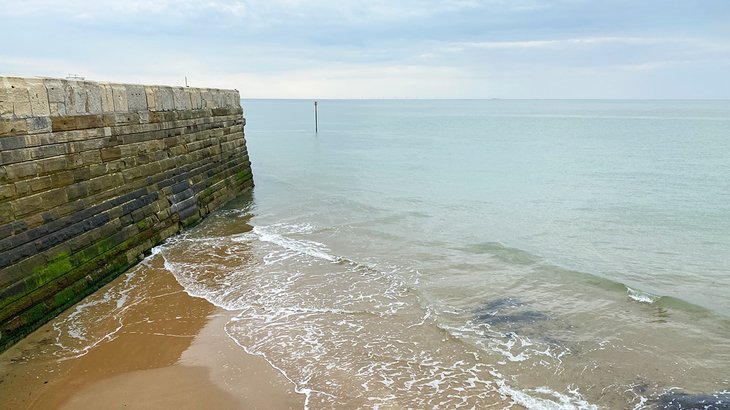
x,y
55,97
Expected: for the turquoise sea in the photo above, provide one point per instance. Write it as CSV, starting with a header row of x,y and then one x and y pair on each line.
x,y
479,254
635,192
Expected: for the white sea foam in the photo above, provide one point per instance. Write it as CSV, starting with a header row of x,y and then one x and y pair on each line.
x,y
641,404
196,289
297,388
301,306
544,398
78,331
299,332
274,234
641,297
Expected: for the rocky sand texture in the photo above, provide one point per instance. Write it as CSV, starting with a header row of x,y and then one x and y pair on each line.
x,y
170,351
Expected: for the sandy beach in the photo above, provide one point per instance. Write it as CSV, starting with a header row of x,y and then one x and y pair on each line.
x,y
171,351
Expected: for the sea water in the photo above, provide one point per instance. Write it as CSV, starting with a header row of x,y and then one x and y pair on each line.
x,y
489,253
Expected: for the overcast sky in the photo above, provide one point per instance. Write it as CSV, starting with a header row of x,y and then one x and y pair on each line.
x,y
381,48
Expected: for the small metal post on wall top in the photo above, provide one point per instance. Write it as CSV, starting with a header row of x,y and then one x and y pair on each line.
x,y
316,125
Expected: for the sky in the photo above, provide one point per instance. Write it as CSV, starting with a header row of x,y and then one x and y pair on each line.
x,y
633,49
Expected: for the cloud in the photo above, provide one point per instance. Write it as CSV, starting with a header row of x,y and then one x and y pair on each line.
x,y
285,9
102,8
560,43
372,48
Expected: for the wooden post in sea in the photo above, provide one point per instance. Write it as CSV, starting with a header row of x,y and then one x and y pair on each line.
x,y
316,125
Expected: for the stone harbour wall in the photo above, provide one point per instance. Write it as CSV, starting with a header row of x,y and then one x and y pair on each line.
x,y
93,175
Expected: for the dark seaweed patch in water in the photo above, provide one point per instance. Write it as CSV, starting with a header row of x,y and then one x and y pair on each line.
x,y
505,311
499,304
529,316
503,253
684,401
640,387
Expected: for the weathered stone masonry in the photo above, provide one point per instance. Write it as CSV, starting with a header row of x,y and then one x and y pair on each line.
x,y
93,175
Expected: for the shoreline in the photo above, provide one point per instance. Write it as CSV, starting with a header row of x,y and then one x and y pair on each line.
x,y
169,350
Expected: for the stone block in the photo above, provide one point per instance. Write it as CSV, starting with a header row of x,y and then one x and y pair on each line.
x,y
91,157
22,188
73,161
130,162
94,98
136,98
128,118
155,117
57,108
150,94
88,121
217,98
62,179
6,108
63,123
38,203
7,191
34,140
181,99
6,230
107,98
164,99
94,144
56,90
105,182
46,151
18,93
76,97
108,120
131,174
222,111
14,156
6,102
82,174
36,125
119,94
51,165
77,191
11,127
195,100
22,109
21,170
114,166
6,213
40,184
38,98
111,154
96,170
10,249
207,98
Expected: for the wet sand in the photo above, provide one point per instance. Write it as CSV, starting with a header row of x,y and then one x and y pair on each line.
x,y
170,352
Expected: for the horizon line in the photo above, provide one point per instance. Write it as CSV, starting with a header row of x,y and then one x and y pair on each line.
x,y
482,99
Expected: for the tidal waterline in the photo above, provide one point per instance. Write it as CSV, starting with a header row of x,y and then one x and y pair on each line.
x,y
549,254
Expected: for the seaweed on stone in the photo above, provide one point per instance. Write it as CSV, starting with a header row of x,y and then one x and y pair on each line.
x,y
686,401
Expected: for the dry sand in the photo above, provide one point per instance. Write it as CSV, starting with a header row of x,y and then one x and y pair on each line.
x,y
172,352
